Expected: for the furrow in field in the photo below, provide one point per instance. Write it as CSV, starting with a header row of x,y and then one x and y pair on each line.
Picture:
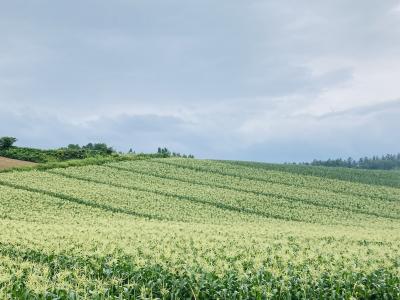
x,y
392,212
364,176
169,194
317,197
274,206
285,178
144,202
69,198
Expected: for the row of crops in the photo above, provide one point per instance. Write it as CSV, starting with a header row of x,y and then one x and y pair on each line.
x,y
375,177
179,229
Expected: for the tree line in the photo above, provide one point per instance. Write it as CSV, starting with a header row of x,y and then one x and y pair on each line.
x,y
72,151
384,162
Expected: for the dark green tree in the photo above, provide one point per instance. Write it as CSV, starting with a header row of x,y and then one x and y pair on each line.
x,y
7,142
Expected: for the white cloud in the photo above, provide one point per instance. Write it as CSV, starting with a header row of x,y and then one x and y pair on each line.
x,y
396,9
372,82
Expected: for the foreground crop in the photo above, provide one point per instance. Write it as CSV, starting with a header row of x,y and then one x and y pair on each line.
x,y
177,229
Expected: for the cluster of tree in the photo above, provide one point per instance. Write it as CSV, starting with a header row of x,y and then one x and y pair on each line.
x,y
62,154
75,151
97,147
385,162
72,151
6,142
164,152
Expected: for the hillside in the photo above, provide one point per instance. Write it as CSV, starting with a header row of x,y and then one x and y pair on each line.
x,y
375,177
174,228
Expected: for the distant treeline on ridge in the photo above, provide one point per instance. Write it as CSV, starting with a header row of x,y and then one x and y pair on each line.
x,y
385,162
70,152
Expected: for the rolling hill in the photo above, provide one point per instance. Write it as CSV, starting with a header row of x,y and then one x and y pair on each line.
x,y
174,228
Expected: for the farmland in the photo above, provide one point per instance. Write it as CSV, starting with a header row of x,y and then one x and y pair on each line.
x,y
173,228
6,163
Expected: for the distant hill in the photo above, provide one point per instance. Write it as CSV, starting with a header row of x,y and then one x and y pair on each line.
x,y
174,228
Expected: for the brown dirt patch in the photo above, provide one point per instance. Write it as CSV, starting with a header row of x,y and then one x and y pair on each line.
x,y
6,163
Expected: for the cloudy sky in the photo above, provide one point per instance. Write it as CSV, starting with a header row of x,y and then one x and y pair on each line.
x,y
251,80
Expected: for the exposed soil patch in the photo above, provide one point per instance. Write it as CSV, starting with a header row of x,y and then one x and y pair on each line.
x,y
6,163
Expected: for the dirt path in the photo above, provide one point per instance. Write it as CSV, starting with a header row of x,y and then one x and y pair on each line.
x,y
6,163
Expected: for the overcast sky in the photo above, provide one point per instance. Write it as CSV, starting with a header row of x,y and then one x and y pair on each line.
x,y
231,79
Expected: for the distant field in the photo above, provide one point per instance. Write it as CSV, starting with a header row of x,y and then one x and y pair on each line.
x,y
6,163
377,177
171,228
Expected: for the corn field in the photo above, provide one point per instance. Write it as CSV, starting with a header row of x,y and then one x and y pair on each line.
x,y
172,228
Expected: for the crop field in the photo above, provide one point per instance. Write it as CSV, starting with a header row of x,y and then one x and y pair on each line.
x,y
172,228
6,163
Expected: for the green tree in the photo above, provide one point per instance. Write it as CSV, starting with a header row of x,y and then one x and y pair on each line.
x,y
7,142
99,147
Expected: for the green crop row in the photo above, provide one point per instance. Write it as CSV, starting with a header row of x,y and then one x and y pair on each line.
x,y
375,177
188,229
284,178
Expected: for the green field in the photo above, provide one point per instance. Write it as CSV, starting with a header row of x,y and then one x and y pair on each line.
x,y
173,228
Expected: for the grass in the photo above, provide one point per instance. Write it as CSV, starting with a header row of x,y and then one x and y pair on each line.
x,y
169,228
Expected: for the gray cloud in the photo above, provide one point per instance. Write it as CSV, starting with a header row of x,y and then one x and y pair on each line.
x,y
366,111
219,79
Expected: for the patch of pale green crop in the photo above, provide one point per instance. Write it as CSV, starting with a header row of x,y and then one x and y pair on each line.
x,y
179,229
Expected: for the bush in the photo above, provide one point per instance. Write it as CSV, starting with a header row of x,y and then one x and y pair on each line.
x,y
70,153
27,154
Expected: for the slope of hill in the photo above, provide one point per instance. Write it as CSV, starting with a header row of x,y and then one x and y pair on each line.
x,y
6,163
376,177
184,228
